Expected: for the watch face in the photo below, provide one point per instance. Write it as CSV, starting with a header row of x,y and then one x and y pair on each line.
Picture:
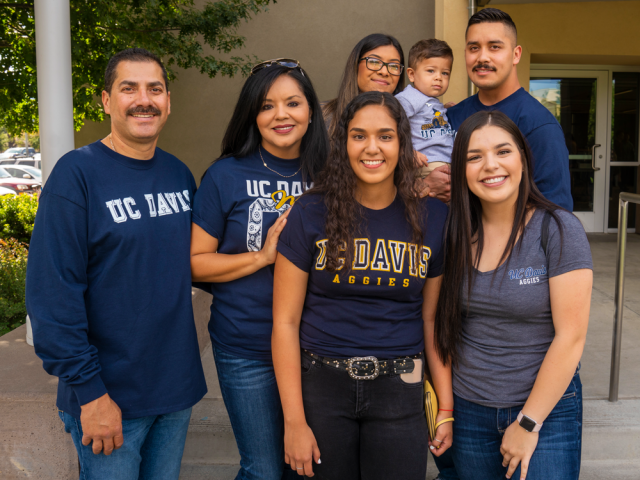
x,y
527,424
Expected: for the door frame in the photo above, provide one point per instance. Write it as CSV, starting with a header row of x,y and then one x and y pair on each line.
x,y
536,68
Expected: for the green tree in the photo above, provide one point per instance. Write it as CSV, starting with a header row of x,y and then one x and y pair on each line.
x,y
176,30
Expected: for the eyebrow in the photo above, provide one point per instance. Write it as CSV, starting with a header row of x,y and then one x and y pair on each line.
x,y
378,56
131,83
288,98
362,130
477,150
490,42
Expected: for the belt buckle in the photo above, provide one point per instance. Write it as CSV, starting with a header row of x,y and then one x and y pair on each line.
x,y
350,368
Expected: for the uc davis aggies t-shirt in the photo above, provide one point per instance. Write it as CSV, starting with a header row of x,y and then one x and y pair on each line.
x,y
376,307
239,199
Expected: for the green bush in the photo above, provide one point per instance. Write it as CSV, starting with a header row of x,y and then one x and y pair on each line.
x,y
17,215
13,275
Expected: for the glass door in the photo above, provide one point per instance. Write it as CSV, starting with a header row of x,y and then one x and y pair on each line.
x,y
623,173
578,100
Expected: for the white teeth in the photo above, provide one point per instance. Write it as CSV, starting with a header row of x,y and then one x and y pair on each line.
x,y
143,116
493,180
372,162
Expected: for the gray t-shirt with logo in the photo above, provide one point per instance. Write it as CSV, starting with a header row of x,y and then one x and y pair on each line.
x,y
508,328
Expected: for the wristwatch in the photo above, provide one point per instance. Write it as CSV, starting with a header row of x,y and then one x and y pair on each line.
x,y
528,423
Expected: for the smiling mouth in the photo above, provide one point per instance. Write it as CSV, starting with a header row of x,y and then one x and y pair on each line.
x,y
494,180
283,128
143,115
372,163
381,82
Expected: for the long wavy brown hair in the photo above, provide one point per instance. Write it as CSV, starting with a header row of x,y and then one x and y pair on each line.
x,y
337,182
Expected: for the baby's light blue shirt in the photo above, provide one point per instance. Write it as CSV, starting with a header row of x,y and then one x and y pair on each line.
x,y
431,131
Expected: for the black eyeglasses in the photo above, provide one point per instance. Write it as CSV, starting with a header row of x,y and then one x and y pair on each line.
x,y
375,64
284,62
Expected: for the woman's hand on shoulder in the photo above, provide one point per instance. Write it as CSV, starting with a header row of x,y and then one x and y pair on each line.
x,y
444,435
269,250
517,448
300,448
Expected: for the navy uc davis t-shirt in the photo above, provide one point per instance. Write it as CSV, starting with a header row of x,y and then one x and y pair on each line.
x,y
109,282
239,199
376,308
542,131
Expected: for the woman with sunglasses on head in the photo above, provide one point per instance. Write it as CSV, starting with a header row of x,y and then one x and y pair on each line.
x,y
272,151
513,311
376,64
356,283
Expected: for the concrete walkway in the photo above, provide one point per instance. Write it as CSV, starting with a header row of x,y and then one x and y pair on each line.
x,y
34,445
611,434
596,360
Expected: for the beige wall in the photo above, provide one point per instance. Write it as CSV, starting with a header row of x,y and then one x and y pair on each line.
x,y
576,33
319,33
451,22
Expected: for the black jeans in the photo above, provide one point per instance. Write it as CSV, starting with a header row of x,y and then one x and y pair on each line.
x,y
365,429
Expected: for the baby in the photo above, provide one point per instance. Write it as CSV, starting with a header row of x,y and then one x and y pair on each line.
x,y
430,63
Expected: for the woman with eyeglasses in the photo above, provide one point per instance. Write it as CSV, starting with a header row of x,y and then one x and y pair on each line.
x,y
376,64
272,151
356,285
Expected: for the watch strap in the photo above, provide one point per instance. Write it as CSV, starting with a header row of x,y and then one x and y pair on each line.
x,y
535,429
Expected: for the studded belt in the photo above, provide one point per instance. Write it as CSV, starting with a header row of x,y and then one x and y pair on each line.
x,y
369,368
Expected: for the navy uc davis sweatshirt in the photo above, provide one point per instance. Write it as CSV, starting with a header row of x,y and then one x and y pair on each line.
x,y
109,282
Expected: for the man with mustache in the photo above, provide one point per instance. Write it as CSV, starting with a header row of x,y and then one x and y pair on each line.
x,y
491,55
109,285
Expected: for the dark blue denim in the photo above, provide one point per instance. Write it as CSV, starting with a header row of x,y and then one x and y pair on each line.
x,y
478,431
250,393
365,429
152,448
446,467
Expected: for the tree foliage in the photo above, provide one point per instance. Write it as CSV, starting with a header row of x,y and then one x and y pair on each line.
x,y
183,34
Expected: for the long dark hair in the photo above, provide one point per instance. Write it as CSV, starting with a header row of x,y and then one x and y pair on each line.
x,y
243,136
464,226
338,182
349,84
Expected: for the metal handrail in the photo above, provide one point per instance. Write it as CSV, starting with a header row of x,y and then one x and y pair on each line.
x,y
614,379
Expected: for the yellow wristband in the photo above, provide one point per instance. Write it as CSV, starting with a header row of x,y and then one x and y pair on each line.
x,y
450,419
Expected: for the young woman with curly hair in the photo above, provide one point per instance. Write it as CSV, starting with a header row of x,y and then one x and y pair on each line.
x,y
358,275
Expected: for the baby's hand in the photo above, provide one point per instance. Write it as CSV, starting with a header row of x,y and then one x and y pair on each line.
x,y
450,104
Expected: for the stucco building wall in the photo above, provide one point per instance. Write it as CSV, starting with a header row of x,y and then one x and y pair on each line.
x,y
318,33
592,33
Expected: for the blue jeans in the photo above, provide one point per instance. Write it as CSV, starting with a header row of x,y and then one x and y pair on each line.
x,y
251,396
152,448
478,431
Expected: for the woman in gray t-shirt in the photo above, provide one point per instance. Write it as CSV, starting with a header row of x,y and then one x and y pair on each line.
x,y
513,311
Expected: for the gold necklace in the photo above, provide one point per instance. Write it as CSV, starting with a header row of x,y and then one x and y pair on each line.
x,y
112,145
265,164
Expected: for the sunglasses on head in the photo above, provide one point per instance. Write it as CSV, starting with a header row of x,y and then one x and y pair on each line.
x,y
284,62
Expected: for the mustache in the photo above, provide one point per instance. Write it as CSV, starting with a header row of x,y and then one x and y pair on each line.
x,y
149,110
484,66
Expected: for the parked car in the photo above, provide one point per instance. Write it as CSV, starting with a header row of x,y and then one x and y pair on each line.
x,y
6,191
18,152
18,185
24,171
27,161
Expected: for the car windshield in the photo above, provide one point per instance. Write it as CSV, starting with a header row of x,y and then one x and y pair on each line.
x,y
14,150
32,170
4,173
